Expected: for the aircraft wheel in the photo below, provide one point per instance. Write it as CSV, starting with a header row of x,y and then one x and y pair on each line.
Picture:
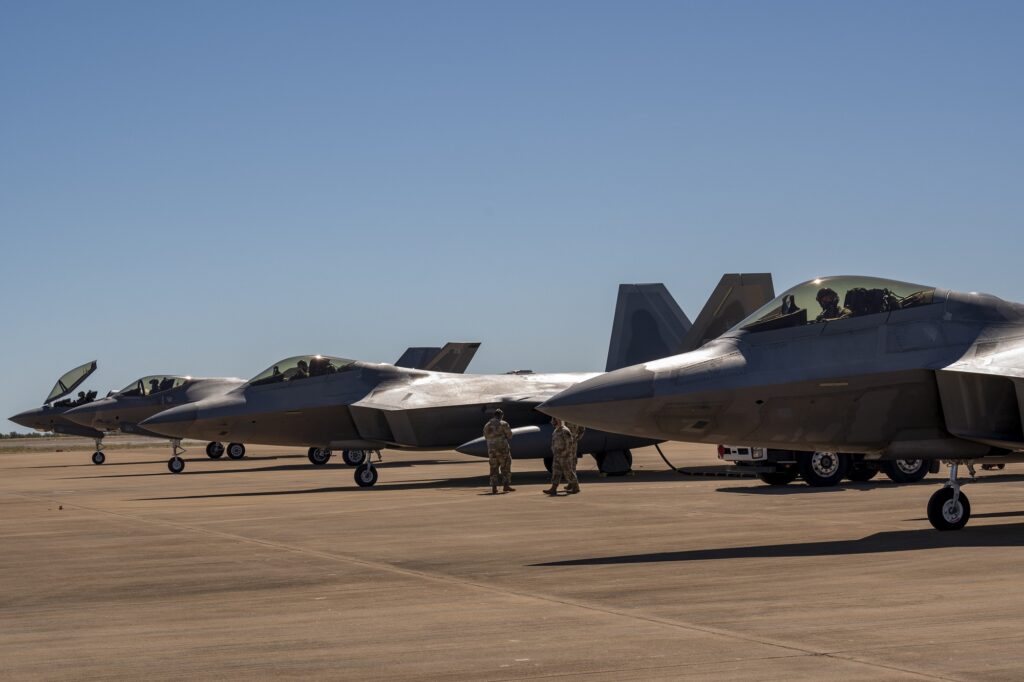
x,y
236,450
905,470
861,472
366,476
823,469
98,457
549,463
354,458
784,477
614,462
319,456
214,450
945,515
176,465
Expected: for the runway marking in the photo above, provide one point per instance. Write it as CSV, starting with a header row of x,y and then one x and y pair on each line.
x,y
797,650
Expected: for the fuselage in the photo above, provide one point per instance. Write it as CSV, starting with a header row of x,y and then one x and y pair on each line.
x,y
874,383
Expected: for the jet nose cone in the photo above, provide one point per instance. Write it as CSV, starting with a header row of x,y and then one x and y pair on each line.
x,y
28,418
603,400
174,422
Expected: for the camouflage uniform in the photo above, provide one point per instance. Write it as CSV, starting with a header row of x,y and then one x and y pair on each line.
x,y
576,431
499,453
834,312
564,452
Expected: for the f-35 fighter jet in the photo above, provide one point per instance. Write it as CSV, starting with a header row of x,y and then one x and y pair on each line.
x,y
889,369
335,403
52,416
126,409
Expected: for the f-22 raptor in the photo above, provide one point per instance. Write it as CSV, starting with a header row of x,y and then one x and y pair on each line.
x,y
334,403
896,371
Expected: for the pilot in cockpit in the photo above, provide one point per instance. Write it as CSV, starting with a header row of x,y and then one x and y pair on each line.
x,y
301,371
828,299
154,386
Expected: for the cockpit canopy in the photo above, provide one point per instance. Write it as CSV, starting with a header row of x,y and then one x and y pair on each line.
x,y
828,299
300,367
151,385
70,381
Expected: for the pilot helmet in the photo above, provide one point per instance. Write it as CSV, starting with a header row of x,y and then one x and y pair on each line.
x,y
499,413
829,294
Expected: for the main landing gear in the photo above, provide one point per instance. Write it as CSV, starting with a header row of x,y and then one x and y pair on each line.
x,y
98,457
215,450
949,508
366,473
319,456
355,458
236,451
176,464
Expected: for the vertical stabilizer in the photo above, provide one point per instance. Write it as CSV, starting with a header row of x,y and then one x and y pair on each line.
x,y
417,357
648,325
454,357
735,297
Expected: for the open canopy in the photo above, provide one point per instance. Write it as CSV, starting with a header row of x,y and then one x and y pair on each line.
x,y
70,381
300,367
829,299
151,385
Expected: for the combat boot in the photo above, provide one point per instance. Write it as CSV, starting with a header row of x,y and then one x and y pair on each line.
x,y
552,492
509,489
494,490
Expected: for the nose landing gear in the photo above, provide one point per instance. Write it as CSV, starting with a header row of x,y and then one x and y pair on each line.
x,y
366,473
98,457
949,508
176,464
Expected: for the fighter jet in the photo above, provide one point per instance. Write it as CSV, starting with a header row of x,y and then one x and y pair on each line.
x,y
897,371
126,409
336,403
52,416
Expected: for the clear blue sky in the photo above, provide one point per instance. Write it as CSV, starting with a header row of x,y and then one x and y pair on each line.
x,y
205,187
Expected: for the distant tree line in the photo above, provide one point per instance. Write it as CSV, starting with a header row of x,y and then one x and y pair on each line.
x,y
31,434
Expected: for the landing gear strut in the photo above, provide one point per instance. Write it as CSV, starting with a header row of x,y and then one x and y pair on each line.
x,y
366,473
176,464
948,508
98,457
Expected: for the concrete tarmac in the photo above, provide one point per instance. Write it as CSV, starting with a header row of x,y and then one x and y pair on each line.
x,y
271,567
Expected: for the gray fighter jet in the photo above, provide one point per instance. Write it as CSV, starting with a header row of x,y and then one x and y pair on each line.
x,y
52,416
335,403
894,371
126,409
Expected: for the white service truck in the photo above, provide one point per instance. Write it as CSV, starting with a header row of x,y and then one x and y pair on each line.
x,y
820,469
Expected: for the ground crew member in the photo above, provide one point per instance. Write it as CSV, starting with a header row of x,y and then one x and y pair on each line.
x,y
561,463
577,432
828,299
499,451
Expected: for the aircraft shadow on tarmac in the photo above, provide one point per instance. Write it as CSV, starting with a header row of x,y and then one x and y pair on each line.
x,y
481,481
304,466
756,488
1006,535
114,463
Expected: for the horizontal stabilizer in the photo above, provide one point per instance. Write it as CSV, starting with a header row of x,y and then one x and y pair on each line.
x,y
648,325
735,297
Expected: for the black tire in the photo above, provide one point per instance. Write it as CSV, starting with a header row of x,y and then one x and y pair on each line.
x,y
319,456
605,462
823,469
905,470
549,463
862,472
215,450
98,457
366,476
354,458
778,477
947,518
175,465
236,451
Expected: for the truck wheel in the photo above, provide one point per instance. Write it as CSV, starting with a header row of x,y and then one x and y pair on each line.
x,y
823,469
862,471
784,477
905,470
